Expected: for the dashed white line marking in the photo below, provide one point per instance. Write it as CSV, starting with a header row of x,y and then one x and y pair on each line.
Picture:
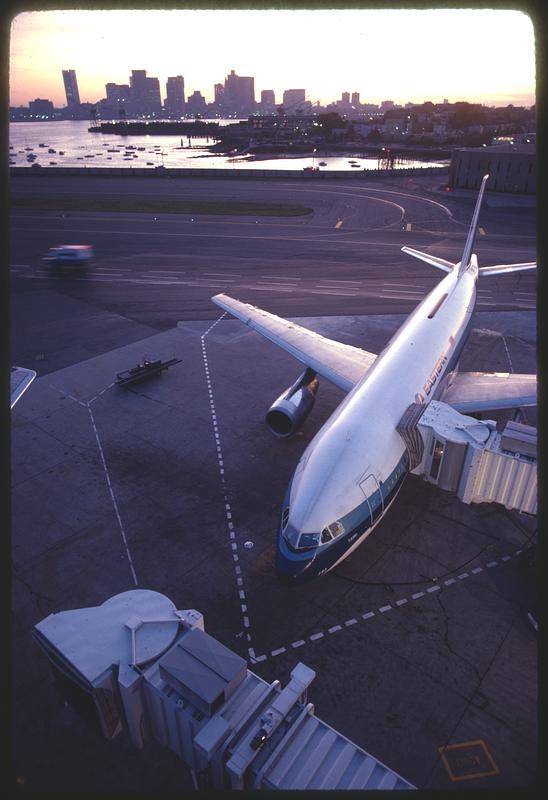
x,y
228,508
114,503
402,601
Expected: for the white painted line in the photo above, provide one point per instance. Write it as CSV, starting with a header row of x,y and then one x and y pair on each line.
x,y
449,581
506,558
262,288
350,622
332,291
278,652
315,636
334,629
401,602
462,576
476,570
368,615
417,595
434,589
299,643
259,658
115,504
382,609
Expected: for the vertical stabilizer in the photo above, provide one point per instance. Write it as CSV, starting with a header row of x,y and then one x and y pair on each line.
x,y
467,252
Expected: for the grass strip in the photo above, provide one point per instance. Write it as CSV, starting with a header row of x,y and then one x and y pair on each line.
x,y
145,206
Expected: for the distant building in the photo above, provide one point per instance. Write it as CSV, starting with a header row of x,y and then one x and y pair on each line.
x,y
386,105
71,88
293,99
175,96
41,108
356,99
268,99
196,103
511,168
345,98
218,93
144,93
239,94
117,93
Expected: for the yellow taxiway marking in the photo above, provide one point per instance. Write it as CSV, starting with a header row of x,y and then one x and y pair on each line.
x,y
468,760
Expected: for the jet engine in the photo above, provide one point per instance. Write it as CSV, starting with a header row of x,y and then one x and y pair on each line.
x,y
292,407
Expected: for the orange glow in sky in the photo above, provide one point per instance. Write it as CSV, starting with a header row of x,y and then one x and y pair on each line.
x,y
476,55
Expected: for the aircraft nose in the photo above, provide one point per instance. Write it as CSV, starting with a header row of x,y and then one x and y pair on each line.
x,y
293,571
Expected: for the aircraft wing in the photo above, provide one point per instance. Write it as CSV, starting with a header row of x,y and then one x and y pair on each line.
x,y
342,364
484,391
20,380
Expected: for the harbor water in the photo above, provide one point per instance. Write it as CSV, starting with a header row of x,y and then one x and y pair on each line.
x,y
69,144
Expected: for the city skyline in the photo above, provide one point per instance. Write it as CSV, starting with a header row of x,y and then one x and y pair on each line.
x,y
379,54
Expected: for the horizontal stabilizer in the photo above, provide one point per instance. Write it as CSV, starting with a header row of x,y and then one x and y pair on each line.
x,y
504,269
342,364
470,392
440,263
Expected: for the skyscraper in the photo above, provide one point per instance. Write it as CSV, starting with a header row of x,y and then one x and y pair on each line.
x,y
71,88
175,96
145,93
293,99
239,93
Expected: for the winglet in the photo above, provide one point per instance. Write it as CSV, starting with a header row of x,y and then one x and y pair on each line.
x,y
467,252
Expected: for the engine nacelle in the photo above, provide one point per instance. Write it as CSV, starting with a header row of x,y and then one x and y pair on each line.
x,y
292,407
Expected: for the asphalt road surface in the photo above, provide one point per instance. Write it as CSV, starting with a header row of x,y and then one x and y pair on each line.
x,y
343,258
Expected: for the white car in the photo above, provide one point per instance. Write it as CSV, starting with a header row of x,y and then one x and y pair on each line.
x,y
70,254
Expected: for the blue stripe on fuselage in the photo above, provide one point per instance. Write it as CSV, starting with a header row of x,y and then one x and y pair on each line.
x,y
303,565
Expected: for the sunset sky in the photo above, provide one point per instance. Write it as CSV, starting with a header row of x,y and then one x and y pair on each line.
x,y
476,55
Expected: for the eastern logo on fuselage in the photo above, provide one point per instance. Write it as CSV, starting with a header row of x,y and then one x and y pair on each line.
x,y
434,375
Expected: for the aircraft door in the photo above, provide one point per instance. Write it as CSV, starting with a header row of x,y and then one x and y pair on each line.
x,y
369,486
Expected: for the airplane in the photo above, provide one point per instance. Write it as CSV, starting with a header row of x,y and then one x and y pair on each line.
x,y
352,470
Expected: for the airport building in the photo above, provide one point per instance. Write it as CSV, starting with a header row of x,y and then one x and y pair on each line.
x,y
511,168
71,88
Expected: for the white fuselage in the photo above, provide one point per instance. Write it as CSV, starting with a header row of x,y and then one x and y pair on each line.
x,y
360,438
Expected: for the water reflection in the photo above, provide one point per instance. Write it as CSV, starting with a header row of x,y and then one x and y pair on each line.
x,y
69,143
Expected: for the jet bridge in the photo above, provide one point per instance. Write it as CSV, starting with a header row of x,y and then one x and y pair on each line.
x,y
135,662
471,457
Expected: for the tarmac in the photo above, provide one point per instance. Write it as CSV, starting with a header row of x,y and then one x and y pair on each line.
x,y
420,639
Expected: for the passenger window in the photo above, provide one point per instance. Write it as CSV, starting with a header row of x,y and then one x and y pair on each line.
x,y
326,536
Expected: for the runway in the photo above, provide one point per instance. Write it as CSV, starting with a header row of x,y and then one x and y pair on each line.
x,y
343,258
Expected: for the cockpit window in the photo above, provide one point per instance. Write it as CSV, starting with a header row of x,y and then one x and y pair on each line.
x,y
331,532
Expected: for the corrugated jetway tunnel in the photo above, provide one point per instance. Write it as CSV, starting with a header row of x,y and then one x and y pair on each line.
x,y
461,454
